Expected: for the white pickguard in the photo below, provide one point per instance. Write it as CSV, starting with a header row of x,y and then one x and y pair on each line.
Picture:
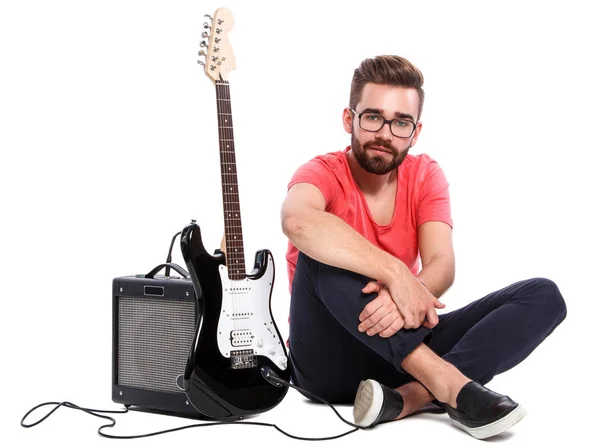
x,y
245,321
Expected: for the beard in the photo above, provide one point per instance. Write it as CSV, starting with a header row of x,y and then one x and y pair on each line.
x,y
374,162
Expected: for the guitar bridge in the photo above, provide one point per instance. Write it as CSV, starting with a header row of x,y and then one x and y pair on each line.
x,y
243,359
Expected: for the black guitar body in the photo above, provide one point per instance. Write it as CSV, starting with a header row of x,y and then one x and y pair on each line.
x,y
223,377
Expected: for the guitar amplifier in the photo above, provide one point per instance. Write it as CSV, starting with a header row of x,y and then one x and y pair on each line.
x,y
154,323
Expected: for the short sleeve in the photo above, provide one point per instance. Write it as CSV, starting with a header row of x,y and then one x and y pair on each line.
x,y
434,200
319,173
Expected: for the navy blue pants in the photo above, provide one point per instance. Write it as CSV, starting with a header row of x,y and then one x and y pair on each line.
x,y
330,356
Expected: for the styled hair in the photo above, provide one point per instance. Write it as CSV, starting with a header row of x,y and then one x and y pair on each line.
x,y
387,70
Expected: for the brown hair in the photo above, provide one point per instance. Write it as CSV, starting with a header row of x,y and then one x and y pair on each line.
x,y
387,70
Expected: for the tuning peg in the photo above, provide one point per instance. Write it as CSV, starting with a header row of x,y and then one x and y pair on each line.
x,y
200,62
203,44
206,25
208,16
205,35
202,53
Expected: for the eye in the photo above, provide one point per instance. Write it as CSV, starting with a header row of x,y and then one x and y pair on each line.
x,y
372,117
401,124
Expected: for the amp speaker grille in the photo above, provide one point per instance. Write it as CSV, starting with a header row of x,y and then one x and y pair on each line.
x,y
154,340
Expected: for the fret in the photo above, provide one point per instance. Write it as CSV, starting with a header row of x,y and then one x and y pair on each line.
x,y
227,139
225,100
228,114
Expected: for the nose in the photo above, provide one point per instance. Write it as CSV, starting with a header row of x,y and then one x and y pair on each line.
x,y
385,132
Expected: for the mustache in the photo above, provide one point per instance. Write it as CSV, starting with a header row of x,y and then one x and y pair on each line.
x,y
380,143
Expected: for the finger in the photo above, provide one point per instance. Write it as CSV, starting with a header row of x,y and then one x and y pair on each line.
x,y
409,320
372,286
438,304
373,319
370,309
382,324
394,328
432,319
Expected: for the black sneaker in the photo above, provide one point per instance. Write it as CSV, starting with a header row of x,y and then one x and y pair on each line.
x,y
483,413
376,403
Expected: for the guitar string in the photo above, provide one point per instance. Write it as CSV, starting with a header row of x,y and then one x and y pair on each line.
x,y
226,164
233,214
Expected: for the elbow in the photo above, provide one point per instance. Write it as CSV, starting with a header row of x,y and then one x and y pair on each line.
x,y
451,272
292,226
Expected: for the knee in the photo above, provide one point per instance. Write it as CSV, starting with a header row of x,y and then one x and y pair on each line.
x,y
548,295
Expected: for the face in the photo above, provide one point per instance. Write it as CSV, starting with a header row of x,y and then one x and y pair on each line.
x,y
381,152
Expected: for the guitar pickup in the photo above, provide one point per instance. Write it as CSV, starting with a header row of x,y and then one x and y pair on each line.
x,y
241,337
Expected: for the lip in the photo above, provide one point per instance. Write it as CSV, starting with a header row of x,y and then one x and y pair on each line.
x,y
380,149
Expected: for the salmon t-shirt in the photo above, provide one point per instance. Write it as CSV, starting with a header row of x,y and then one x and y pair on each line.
x,y
422,195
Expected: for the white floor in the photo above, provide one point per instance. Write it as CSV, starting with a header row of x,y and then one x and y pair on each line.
x,y
556,414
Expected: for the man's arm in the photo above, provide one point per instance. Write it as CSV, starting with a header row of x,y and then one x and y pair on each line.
x,y
437,256
330,240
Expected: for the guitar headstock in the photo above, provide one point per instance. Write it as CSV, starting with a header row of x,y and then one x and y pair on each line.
x,y
219,58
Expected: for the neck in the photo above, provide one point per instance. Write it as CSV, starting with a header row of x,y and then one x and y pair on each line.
x,y
370,183
234,241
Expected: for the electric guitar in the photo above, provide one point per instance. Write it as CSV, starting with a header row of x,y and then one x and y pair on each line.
x,y
236,334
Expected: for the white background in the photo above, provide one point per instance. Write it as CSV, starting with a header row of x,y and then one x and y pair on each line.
x,y
109,146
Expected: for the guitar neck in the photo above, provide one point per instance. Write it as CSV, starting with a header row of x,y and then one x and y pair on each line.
x,y
234,241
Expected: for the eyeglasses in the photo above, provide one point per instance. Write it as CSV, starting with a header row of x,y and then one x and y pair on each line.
x,y
369,121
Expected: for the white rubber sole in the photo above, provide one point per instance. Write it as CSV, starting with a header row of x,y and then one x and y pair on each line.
x,y
500,425
367,403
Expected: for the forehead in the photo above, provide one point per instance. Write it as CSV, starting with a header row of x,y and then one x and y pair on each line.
x,y
390,99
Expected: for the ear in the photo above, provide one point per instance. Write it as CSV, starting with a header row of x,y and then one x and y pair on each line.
x,y
347,117
416,134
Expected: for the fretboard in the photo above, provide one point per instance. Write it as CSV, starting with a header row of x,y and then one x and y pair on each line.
x,y
234,241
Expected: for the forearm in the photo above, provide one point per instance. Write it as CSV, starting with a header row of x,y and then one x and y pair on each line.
x,y
330,240
438,275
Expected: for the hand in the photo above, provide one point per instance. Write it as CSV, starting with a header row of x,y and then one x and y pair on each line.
x,y
381,316
414,301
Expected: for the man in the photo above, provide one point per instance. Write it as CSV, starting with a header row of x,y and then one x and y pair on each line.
x,y
370,253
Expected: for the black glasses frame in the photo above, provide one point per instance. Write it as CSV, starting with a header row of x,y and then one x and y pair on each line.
x,y
385,121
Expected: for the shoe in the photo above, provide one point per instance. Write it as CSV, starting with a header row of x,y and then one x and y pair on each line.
x,y
483,413
376,403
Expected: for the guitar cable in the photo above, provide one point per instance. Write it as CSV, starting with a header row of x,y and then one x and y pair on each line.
x,y
268,374
169,255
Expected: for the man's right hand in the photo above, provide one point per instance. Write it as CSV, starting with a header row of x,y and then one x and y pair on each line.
x,y
416,304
